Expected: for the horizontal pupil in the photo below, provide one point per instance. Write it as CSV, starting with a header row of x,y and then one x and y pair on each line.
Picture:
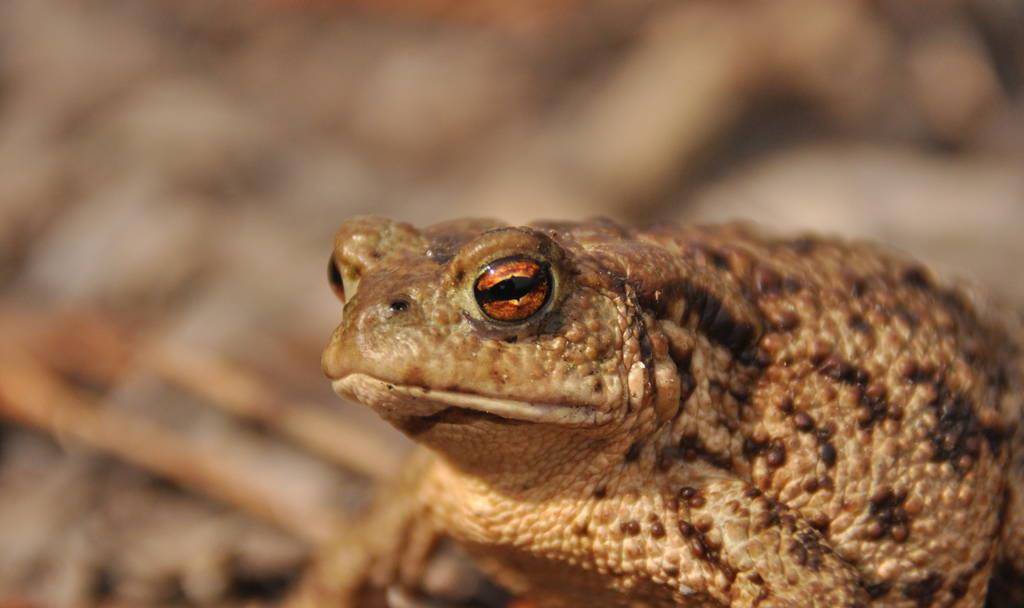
x,y
511,288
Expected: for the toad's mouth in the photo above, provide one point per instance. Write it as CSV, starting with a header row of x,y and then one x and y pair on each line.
x,y
398,401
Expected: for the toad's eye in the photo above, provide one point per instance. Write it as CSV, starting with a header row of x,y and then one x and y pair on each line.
x,y
512,289
334,278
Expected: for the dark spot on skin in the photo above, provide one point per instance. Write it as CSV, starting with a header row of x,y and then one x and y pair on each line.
x,y
762,595
888,516
841,371
803,245
600,492
916,276
702,547
820,522
691,448
874,401
768,517
956,300
718,259
766,281
687,384
908,317
799,553
776,456
1000,378
908,369
957,435
786,405
820,353
738,337
728,572
917,374
691,496
715,320
803,422
755,357
810,485
581,529
858,287
741,394
755,578
828,454
812,551
859,324
666,457
923,590
633,452
630,528
791,285
752,447
959,587
686,529
752,492
671,571
878,589
876,393
657,530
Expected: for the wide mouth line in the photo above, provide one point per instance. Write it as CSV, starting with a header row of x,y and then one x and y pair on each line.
x,y
511,409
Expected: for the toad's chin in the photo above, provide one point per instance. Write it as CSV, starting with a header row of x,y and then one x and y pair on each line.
x,y
397,401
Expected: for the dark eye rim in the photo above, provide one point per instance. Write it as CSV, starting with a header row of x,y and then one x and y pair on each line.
x,y
545,272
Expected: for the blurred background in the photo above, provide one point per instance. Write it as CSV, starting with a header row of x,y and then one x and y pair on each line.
x,y
172,172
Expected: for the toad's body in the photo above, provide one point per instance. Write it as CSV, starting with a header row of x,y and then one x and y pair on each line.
x,y
690,416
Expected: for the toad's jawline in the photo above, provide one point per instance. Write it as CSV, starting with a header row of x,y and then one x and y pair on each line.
x,y
413,401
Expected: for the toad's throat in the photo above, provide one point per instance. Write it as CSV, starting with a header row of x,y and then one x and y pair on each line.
x,y
403,401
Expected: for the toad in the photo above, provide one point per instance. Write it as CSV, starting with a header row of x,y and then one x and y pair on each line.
x,y
687,416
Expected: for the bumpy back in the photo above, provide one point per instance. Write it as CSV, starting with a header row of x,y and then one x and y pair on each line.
x,y
880,403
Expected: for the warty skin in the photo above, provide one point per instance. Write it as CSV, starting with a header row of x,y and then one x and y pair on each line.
x,y
696,416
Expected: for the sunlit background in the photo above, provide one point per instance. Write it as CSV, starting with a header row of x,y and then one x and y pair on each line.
x,y
172,172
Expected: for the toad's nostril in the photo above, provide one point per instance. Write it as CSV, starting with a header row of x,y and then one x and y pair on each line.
x,y
399,305
335,279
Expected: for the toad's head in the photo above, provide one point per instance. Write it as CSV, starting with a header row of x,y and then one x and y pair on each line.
x,y
491,344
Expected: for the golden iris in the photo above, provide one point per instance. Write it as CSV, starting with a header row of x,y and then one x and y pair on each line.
x,y
513,289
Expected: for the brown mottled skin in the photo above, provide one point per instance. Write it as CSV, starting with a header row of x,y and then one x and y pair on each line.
x,y
698,416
